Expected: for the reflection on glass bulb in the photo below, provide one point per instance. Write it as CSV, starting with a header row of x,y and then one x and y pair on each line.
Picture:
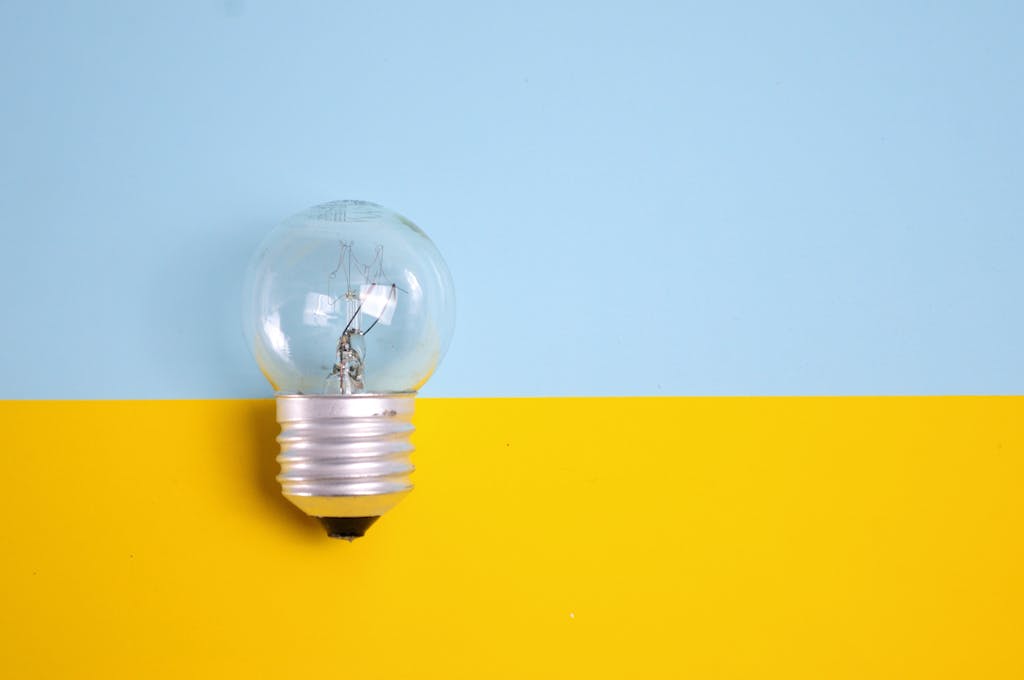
x,y
350,308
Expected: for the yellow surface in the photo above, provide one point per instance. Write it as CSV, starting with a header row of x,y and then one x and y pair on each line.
x,y
727,538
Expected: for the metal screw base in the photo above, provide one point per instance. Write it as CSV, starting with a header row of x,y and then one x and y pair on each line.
x,y
345,457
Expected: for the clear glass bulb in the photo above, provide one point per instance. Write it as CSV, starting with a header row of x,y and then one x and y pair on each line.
x,y
348,298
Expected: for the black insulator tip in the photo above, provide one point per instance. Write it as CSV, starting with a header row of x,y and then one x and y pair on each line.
x,y
347,527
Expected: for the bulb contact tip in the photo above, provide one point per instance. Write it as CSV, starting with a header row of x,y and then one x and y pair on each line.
x,y
348,528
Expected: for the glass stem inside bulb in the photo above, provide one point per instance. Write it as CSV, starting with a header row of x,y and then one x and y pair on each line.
x,y
372,298
349,366
348,361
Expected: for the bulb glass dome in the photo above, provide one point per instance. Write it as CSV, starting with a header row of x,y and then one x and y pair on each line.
x,y
347,298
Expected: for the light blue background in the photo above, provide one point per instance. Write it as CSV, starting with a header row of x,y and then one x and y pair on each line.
x,y
634,198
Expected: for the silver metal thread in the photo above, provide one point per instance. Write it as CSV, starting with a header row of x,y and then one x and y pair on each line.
x,y
345,455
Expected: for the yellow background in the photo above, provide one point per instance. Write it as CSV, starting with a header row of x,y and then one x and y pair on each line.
x,y
704,537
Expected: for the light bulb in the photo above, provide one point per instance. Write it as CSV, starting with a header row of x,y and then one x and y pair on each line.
x,y
349,310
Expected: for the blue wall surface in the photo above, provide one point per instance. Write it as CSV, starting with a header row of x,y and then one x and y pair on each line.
x,y
633,197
